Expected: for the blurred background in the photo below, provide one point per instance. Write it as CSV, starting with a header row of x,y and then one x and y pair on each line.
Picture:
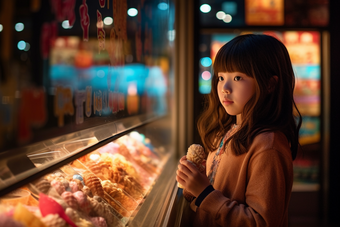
x,y
86,79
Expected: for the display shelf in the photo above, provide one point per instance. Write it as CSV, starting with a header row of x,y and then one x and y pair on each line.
x,y
120,175
60,151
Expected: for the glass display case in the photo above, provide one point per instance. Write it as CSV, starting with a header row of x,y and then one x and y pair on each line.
x,y
86,90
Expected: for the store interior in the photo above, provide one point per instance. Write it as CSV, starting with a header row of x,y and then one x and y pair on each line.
x,y
100,99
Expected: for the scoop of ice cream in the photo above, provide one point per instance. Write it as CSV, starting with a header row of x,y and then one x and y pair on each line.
x,y
99,221
196,154
53,220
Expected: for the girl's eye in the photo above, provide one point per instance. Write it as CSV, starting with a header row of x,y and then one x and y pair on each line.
x,y
220,78
237,78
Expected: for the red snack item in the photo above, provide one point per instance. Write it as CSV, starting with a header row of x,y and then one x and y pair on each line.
x,y
48,206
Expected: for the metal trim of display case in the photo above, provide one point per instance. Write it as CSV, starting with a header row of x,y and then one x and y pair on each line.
x,y
105,134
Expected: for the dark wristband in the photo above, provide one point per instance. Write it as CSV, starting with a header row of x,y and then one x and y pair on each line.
x,y
204,194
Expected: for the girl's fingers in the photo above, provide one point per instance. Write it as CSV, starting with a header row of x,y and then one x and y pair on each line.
x,y
181,174
183,158
183,169
180,180
189,166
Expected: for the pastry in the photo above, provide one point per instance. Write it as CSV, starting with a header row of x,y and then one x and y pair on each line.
x,y
102,170
117,194
196,156
107,207
102,209
93,183
128,183
87,191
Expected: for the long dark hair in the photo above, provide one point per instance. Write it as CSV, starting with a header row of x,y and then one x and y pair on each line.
x,y
272,108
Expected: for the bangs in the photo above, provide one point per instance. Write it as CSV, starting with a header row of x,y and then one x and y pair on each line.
x,y
233,57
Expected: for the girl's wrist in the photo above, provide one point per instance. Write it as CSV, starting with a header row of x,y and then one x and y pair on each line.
x,y
204,194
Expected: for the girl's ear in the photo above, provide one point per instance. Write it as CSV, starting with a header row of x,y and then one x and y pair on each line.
x,y
272,84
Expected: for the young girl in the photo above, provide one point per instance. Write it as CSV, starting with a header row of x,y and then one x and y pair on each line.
x,y
251,135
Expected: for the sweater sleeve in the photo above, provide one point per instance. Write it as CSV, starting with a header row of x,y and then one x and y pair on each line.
x,y
266,194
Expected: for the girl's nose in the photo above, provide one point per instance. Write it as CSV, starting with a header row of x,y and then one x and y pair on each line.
x,y
226,89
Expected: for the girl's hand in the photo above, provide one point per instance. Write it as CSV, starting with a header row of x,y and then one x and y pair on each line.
x,y
191,178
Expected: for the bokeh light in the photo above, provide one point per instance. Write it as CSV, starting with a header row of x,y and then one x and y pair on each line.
x,y
206,75
163,6
220,15
132,12
228,18
19,27
205,8
66,24
21,45
206,62
108,20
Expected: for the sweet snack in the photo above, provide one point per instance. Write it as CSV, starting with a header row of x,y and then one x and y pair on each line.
x,y
93,183
128,183
119,161
87,191
102,209
121,210
72,214
196,156
24,216
55,176
99,221
6,220
58,186
42,185
70,200
102,170
74,186
83,202
118,194
78,177
53,220
49,206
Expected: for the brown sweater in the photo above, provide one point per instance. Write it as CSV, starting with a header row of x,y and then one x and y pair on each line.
x,y
252,189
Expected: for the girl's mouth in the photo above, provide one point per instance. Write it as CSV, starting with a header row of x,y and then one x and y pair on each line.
x,y
227,102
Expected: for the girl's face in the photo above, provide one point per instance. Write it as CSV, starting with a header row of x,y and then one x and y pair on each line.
x,y
234,91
